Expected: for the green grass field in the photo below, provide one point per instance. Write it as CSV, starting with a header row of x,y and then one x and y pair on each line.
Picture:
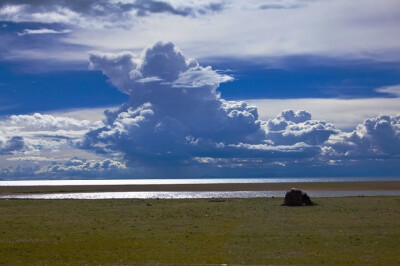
x,y
352,230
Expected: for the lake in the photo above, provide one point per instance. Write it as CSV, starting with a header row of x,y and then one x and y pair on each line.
x,y
195,194
189,181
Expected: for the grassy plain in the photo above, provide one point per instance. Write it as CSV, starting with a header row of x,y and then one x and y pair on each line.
x,y
349,230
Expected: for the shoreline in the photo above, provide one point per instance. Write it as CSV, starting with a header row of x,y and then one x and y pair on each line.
x,y
307,186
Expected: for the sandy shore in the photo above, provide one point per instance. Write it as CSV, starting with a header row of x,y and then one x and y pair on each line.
x,y
315,186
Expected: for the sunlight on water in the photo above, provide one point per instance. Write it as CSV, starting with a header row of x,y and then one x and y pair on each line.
x,y
194,195
189,181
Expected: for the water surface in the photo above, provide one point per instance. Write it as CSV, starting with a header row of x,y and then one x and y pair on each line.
x,y
195,194
190,181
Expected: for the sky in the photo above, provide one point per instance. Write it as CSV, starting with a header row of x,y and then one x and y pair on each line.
x,y
191,89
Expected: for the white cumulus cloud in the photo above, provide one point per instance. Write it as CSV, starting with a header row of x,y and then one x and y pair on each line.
x,y
72,168
290,128
179,115
376,138
176,117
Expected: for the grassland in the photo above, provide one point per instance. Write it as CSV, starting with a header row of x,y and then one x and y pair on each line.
x,y
350,230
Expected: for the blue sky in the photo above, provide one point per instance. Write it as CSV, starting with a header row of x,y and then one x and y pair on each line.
x,y
199,88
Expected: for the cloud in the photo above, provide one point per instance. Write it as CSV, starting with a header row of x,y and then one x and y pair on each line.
x,y
38,146
145,7
49,122
32,134
76,166
177,119
179,115
280,6
32,158
376,138
95,13
9,145
72,168
42,31
31,43
270,33
107,25
391,90
88,114
290,128
345,114
162,65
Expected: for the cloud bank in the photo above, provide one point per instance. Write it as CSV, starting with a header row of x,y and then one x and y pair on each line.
x,y
45,146
175,116
103,13
48,168
345,114
298,28
32,134
176,119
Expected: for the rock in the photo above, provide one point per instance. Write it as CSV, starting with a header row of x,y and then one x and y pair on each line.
x,y
306,199
297,197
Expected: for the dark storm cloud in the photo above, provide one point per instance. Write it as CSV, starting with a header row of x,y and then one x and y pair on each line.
x,y
64,11
144,7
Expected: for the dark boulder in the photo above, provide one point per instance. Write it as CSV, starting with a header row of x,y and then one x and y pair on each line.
x,y
297,197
